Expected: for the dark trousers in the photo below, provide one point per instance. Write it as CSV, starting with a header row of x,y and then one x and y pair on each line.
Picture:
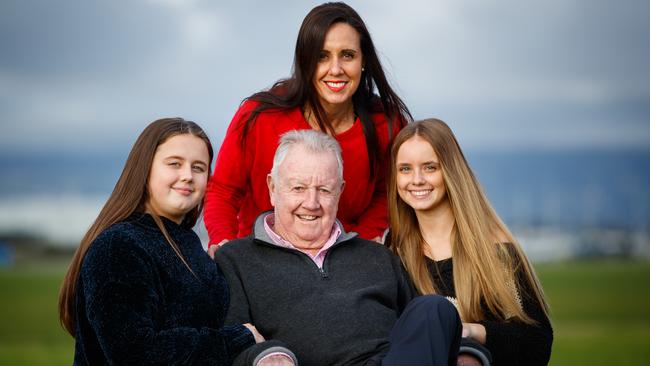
x,y
427,334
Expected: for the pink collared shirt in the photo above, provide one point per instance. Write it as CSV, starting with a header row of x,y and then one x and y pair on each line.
x,y
269,222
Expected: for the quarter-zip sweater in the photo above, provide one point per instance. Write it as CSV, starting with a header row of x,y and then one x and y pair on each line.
x,y
340,314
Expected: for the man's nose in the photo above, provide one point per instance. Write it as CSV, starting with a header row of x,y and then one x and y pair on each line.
x,y
311,200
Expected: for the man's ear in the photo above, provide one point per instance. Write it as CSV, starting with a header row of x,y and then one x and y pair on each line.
x,y
271,185
342,186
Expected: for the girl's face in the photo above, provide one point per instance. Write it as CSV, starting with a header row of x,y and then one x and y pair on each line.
x,y
419,176
178,176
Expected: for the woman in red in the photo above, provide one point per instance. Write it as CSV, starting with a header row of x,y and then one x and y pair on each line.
x,y
335,73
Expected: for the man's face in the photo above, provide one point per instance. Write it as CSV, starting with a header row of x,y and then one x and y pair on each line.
x,y
305,197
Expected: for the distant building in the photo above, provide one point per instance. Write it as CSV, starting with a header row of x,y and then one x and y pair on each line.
x,y
6,254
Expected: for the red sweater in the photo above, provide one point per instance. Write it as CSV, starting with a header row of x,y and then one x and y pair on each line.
x,y
237,191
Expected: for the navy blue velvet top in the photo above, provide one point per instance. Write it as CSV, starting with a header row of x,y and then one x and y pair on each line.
x,y
138,304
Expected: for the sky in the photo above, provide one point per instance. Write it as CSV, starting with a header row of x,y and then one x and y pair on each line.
x,y
80,76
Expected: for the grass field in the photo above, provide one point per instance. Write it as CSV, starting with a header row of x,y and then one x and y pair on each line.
x,y
599,309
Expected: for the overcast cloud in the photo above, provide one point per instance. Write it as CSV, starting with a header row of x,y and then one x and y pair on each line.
x,y
78,75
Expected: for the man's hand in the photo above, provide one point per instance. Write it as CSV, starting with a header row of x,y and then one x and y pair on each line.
x,y
276,359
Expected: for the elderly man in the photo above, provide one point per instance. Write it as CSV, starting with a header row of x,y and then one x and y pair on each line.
x,y
330,296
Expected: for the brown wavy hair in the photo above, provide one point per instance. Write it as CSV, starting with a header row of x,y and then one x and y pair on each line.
x,y
129,196
485,254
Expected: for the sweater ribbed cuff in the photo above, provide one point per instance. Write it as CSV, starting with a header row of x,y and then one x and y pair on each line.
x,y
238,338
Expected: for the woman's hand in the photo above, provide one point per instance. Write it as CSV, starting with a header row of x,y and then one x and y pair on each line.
x,y
475,331
258,337
212,249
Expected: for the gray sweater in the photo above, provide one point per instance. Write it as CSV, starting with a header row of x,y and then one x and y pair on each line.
x,y
340,315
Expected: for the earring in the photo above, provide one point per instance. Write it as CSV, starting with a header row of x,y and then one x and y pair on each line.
x,y
363,69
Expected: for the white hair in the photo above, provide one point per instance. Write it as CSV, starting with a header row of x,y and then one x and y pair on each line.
x,y
314,141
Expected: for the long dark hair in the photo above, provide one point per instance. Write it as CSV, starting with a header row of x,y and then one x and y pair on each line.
x,y
129,196
298,90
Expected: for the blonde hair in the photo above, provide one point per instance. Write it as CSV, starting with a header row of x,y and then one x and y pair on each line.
x,y
486,255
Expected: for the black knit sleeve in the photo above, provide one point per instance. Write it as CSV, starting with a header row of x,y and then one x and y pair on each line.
x,y
124,303
517,343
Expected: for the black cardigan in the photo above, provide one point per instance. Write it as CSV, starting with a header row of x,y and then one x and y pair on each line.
x,y
511,342
137,303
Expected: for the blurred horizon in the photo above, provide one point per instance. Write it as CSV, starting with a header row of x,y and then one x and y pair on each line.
x,y
560,204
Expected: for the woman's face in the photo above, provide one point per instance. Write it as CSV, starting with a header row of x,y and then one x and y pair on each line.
x,y
419,176
178,176
338,72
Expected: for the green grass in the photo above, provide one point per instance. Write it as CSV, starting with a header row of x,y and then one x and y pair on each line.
x,y
30,333
599,312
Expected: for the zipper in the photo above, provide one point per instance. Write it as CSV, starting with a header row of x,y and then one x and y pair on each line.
x,y
323,273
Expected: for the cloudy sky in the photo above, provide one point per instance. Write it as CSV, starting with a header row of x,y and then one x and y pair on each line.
x,y
79,75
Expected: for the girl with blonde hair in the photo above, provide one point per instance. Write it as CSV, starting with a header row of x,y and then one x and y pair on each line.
x,y
454,244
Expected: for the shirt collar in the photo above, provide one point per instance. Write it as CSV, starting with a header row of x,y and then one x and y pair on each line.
x,y
269,222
